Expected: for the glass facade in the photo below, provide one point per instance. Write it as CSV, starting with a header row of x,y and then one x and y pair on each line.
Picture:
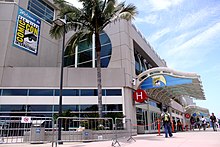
x,y
84,53
41,9
55,92
141,64
50,110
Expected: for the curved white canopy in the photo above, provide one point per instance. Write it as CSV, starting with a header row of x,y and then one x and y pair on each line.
x,y
165,83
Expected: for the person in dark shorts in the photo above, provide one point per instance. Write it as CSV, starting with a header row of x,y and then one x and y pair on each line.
x,y
213,121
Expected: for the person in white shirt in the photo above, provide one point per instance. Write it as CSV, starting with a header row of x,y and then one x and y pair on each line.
x,y
203,121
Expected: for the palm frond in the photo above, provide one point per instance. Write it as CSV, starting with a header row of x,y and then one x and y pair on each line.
x,y
128,12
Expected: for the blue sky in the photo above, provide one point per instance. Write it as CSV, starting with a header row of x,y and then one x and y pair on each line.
x,y
186,33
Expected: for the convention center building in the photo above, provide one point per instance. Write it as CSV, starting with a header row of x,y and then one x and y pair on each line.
x,y
30,63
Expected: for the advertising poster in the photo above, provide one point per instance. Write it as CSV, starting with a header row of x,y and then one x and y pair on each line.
x,y
27,31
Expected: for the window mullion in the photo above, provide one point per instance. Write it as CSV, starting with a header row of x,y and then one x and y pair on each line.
x,y
93,50
76,56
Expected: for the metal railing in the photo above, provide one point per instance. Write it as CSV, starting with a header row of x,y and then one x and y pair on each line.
x,y
17,129
84,129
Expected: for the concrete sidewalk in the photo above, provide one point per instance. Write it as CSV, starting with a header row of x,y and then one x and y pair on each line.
x,y
196,138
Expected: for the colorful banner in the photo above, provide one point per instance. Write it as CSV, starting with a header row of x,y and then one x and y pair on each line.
x,y
163,80
27,31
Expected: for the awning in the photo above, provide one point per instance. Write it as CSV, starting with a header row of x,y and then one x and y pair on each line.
x,y
165,83
196,110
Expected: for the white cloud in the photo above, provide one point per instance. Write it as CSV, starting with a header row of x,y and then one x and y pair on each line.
x,y
199,39
192,19
75,3
157,5
159,34
151,19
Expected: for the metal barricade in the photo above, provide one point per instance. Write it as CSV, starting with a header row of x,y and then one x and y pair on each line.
x,y
75,129
26,129
122,129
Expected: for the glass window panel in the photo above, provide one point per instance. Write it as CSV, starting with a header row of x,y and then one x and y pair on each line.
x,y
103,92
69,60
40,92
67,107
105,61
67,92
137,65
106,50
84,45
15,92
86,64
13,108
88,107
89,92
113,92
41,9
113,107
39,107
104,39
41,115
85,56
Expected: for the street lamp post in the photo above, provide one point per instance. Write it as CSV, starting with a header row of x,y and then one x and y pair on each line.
x,y
62,23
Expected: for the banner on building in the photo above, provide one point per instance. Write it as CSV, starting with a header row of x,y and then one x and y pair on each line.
x,y
162,81
27,31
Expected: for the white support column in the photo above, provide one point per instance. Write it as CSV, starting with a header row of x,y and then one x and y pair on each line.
x,y
93,51
76,56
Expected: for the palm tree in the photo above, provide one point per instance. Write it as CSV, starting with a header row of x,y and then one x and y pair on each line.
x,y
91,19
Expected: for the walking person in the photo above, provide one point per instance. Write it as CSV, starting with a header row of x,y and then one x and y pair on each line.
x,y
213,122
203,121
192,122
166,123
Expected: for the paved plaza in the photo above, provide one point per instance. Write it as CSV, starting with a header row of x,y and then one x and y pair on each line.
x,y
195,138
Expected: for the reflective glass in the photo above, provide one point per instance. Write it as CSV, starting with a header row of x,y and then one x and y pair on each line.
x,y
113,92
104,39
85,64
85,56
88,107
39,107
41,9
89,92
67,107
41,92
85,53
106,50
13,108
113,107
105,61
15,92
67,92
84,45
69,60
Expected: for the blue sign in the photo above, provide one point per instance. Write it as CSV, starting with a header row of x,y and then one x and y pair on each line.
x,y
37,130
194,115
163,80
27,31
86,133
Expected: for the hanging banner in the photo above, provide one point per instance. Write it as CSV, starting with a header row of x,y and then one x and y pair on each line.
x,y
163,80
27,31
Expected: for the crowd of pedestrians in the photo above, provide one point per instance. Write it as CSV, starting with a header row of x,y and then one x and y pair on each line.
x,y
202,122
199,122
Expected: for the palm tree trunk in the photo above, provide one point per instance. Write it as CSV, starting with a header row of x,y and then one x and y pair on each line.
x,y
99,77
